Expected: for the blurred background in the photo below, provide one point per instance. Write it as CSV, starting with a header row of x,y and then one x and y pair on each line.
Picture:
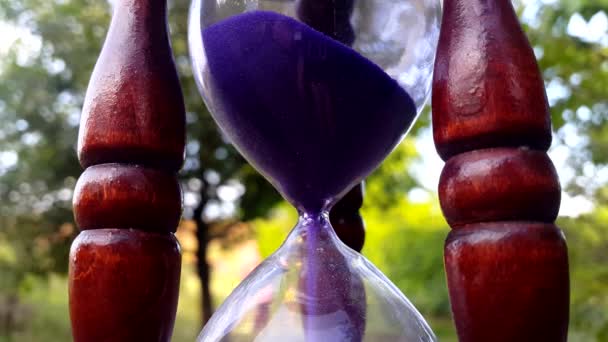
x,y
233,218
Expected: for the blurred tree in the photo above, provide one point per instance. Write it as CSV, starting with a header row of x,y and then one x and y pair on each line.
x,y
218,183
44,75
570,39
40,98
588,245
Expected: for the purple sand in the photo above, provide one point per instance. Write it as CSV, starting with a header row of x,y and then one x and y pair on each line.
x,y
311,114
330,288
331,297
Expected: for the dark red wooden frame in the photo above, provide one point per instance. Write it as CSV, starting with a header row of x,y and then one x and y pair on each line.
x,y
506,261
125,264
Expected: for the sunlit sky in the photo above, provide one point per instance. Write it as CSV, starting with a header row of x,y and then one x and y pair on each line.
x,y
428,169
8,36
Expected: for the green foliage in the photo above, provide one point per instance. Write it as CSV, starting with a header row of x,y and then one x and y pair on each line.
x,y
406,243
578,67
43,79
44,307
588,254
40,96
272,230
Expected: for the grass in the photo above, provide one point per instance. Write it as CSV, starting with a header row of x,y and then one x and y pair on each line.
x,y
46,303
48,318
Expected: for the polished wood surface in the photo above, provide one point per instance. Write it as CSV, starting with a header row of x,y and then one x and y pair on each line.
x,y
125,264
506,262
127,196
487,87
124,285
346,219
508,282
134,109
499,184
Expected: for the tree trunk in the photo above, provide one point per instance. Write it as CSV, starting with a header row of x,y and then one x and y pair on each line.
x,y
202,235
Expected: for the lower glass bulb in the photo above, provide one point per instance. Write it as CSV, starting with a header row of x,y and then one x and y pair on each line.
x,y
316,289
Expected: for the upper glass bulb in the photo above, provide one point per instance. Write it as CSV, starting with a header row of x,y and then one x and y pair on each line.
x,y
314,94
311,113
400,36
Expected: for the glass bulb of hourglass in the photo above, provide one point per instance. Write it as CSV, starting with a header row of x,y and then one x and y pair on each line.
x,y
400,36
314,94
314,288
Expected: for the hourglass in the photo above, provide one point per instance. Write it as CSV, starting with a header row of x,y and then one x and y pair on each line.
x,y
314,94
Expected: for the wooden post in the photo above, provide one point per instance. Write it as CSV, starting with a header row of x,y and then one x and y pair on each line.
x,y
346,219
506,261
333,19
125,264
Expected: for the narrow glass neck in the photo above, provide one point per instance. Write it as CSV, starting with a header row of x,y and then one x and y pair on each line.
x,y
315,229
313,222
311,225
310,208
314,217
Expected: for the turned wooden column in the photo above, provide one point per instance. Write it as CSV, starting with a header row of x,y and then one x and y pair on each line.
x,y
346,219
332,17
125,263
506,261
